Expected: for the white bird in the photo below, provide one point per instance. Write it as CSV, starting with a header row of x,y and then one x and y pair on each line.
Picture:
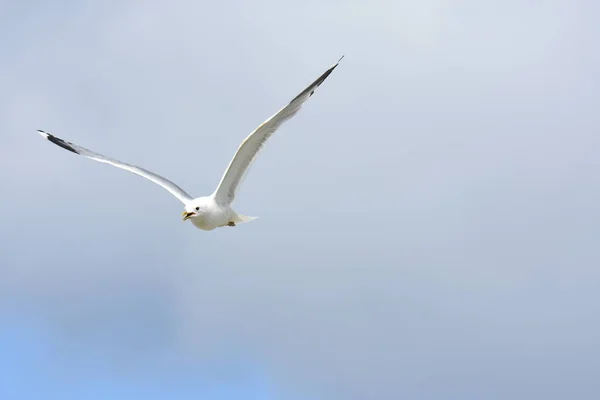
x,y
214,211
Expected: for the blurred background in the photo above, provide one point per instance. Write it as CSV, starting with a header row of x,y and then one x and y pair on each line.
x,y
428,222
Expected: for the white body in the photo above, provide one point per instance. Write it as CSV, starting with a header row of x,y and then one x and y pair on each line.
x,y
211,215
212,211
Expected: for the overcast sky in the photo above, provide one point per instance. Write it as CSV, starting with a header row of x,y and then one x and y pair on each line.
x,y
429,221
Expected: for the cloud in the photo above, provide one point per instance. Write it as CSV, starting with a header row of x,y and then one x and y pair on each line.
x,y
428,221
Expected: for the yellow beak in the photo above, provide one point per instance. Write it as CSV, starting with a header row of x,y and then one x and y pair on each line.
x,y
186,215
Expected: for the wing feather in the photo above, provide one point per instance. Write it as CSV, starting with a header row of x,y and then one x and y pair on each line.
x,y
159,180
251,146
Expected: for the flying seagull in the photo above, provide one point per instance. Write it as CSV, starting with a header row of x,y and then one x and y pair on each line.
x,y
214,211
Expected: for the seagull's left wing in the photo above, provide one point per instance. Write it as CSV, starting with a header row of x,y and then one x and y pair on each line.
x,y
246,153
159,180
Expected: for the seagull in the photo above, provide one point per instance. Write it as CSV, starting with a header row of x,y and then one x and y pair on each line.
x,y
214,211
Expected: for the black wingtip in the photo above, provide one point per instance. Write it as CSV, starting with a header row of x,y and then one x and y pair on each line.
x,y
58,141
334,66
313,86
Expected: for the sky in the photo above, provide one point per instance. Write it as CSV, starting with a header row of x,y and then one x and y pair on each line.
x,y
428,221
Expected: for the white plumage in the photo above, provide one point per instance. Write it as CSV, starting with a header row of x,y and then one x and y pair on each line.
x,y
210,212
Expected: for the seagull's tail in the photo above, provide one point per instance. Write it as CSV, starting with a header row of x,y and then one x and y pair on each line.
x,y
242,219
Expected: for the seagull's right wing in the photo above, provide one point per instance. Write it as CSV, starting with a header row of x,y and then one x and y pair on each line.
x,y
159,180
246,153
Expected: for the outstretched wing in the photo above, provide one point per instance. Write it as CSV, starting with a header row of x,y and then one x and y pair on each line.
x,y
159,180
248,150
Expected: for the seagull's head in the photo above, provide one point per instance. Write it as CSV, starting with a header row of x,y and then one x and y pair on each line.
x,y
191,211
194,208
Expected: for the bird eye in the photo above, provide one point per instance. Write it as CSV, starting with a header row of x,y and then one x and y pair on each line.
x,y
197,208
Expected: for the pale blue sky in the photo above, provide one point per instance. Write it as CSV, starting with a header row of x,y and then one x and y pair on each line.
x,y
428,222
33,367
